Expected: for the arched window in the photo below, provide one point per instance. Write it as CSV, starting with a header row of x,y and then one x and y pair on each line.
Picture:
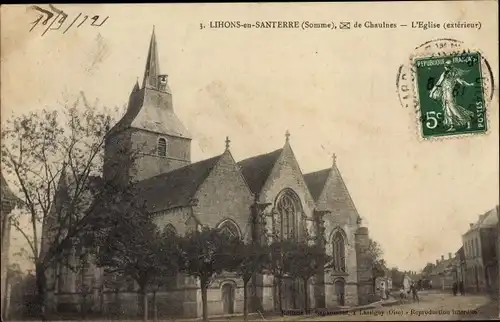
x,y
229,227
170,230
288,208
162,147
338,243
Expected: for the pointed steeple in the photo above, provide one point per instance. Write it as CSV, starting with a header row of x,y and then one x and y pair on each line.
x,y
152,64
136,86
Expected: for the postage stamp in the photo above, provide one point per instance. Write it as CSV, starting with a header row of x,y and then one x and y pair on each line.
x,y
449,86
450,94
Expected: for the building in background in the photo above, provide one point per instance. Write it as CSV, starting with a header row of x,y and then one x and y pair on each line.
x,y
8,202
460,267
480,249
444,273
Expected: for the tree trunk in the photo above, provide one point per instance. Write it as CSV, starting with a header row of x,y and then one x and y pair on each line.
x,y
279,295
204,285
41,288
144,305
155,307
245,299
306,296
101,300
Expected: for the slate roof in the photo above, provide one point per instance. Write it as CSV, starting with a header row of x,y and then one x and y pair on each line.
x,y
257,169
316,182
489,219
442,266
175,188
143,111
144,114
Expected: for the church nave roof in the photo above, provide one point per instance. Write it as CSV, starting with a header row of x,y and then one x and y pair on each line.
x,y
257,169
175,188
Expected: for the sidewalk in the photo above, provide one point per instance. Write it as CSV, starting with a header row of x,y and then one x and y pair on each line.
x,y
263,316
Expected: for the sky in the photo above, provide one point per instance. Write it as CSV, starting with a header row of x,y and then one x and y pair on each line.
x,y
334,91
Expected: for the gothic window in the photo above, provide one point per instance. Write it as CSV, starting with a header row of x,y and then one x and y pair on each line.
x,y
338,243
288,209
169,229
229,227
162,147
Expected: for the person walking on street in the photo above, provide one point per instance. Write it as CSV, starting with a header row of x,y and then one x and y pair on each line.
x,y
455,286
414,292
462,290
402,294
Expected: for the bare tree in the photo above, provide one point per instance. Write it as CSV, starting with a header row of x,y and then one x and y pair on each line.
x,y
56,157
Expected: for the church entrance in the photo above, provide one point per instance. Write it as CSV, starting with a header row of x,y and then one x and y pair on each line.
x,y
228,291
340,292
291,294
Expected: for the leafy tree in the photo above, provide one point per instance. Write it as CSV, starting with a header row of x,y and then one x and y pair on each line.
x,y
303,261
397,277
251,258
137,249
378,264
205,253
54,157
375,252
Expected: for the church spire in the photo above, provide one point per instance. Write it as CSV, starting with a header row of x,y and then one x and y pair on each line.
x,y
152,64
136,86
287,136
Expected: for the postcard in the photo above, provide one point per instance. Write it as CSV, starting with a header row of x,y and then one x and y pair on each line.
x,y
250,161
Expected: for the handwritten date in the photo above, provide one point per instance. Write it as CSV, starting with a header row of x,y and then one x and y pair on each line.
x,y
59,17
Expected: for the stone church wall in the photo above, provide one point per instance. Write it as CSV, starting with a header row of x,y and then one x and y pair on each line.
x,y
351,276
287,174
225,195
365,284
150,164
177,217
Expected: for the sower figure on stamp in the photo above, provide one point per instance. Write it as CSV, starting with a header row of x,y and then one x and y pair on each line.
x,y
444,90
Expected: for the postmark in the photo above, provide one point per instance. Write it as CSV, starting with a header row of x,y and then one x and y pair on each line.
x,y
449,86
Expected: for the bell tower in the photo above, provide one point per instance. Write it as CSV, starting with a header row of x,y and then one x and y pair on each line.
x,y
150,138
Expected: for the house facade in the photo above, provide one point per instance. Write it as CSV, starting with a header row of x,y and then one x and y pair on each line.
x,y
265,197
8,202
444,273
480,249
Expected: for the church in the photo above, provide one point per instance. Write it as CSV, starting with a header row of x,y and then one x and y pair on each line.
x,y
225,193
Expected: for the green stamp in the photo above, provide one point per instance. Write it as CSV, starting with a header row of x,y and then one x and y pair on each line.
x,y
450,94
